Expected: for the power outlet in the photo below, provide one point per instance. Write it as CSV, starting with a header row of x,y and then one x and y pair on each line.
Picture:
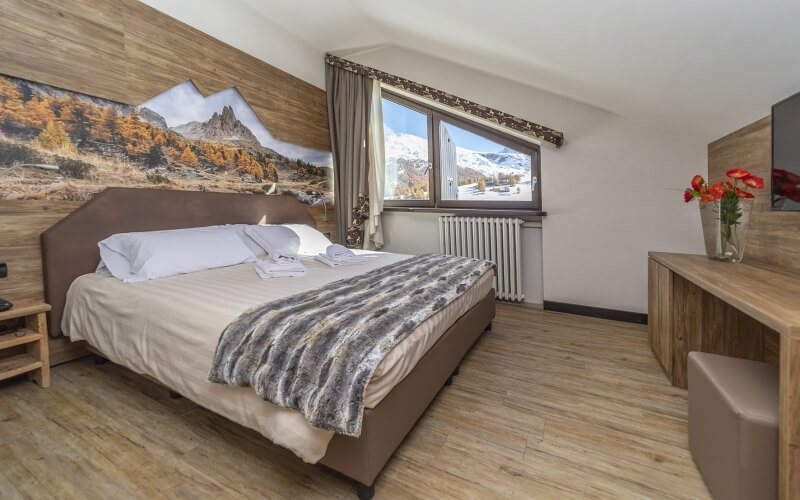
x,y
3,270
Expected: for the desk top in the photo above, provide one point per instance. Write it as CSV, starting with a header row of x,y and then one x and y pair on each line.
x,y
766,294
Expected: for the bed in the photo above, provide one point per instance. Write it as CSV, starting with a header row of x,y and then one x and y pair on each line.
x,y
167,328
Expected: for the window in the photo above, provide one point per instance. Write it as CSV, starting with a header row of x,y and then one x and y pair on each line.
x,y
435,159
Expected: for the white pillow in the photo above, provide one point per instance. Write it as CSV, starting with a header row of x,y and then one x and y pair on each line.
x,y
148,255
274,239
251,244
312,241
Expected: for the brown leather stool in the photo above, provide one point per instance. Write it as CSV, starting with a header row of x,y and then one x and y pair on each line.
x,y
733,425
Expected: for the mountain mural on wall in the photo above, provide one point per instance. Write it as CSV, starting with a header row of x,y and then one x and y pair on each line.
x,y
57,144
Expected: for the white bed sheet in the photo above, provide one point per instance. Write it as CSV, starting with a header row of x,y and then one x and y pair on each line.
x,y
168,329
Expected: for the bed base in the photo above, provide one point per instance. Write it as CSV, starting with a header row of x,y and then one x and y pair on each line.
x,y
386,425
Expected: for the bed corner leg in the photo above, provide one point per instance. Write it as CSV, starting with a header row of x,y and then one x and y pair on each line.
x,y
449,380
489,327
365,492
457,370
99,360
174,395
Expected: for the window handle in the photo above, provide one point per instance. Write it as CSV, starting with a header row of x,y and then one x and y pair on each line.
x,y
534,180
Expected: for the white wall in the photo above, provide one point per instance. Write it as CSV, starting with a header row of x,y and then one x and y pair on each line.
x,y
612,192
248,30
416,233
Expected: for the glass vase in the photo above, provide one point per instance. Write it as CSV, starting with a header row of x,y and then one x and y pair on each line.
x,y
725,224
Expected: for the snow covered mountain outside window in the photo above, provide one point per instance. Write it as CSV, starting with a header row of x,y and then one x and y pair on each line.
x,y
435,159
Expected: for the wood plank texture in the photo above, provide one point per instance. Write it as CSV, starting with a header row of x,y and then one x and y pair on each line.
x,y
63,350
24,308
546,405
659,324
687,325
789,482
728,309
39,349
129,52
19,337
773,237
765,294
17,365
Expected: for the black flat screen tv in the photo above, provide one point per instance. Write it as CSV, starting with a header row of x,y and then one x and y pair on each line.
x,y
786,154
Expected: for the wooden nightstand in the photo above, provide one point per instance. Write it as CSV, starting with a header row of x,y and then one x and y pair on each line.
x,y
35,361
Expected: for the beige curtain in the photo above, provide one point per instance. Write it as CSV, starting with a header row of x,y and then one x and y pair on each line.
x,y
349,99
373,231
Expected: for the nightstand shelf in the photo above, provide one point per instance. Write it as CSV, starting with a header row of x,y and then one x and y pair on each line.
x,y
17,338
17,365
35,361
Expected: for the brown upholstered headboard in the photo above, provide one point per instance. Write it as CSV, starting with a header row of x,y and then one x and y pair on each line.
x,y
69,248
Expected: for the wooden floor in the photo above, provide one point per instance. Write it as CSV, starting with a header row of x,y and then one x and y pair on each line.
x,y
546,406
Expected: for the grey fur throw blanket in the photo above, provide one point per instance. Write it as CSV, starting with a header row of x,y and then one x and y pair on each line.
x,y
316,351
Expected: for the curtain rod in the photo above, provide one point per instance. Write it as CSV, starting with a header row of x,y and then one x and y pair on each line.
x,y
464,105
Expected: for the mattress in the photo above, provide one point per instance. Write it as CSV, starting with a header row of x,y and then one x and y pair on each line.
x,y
168,329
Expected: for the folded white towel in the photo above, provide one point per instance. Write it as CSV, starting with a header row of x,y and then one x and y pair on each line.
x,y
271,269
341,262
335,250
283,260
342,255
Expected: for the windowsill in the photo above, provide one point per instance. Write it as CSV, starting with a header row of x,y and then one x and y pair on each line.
x,y
479,212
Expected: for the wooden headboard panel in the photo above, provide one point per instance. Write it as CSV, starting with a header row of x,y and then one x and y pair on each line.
x,y
69,248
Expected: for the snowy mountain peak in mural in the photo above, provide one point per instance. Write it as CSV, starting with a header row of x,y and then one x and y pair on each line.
x,y
224,116
57,144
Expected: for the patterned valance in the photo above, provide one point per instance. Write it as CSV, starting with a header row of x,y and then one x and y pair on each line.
x,y
465,106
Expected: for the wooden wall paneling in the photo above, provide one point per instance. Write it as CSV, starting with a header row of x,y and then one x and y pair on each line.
x,y
773,237
128,52
161,52
74,44
325,224
21,223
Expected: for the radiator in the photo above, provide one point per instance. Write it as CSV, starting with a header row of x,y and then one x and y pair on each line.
x,y
491,238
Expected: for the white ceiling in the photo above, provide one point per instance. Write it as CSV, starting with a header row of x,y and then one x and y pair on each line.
x,y
710,65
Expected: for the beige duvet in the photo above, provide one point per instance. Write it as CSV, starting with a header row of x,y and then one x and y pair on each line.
x,y
168,329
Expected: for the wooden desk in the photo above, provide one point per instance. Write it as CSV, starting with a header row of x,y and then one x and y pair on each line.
x,y
696,304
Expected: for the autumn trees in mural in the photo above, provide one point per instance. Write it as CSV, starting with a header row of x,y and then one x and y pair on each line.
x,y
89,143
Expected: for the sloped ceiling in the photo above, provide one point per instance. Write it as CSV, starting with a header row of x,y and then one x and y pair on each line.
x,y
710,66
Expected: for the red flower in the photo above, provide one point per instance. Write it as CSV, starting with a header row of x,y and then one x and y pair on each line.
x,y
688,196
718,190
737,173
697,181
753,181
744,194
707,197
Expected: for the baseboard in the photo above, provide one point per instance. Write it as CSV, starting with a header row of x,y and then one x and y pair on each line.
x,y
596,312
